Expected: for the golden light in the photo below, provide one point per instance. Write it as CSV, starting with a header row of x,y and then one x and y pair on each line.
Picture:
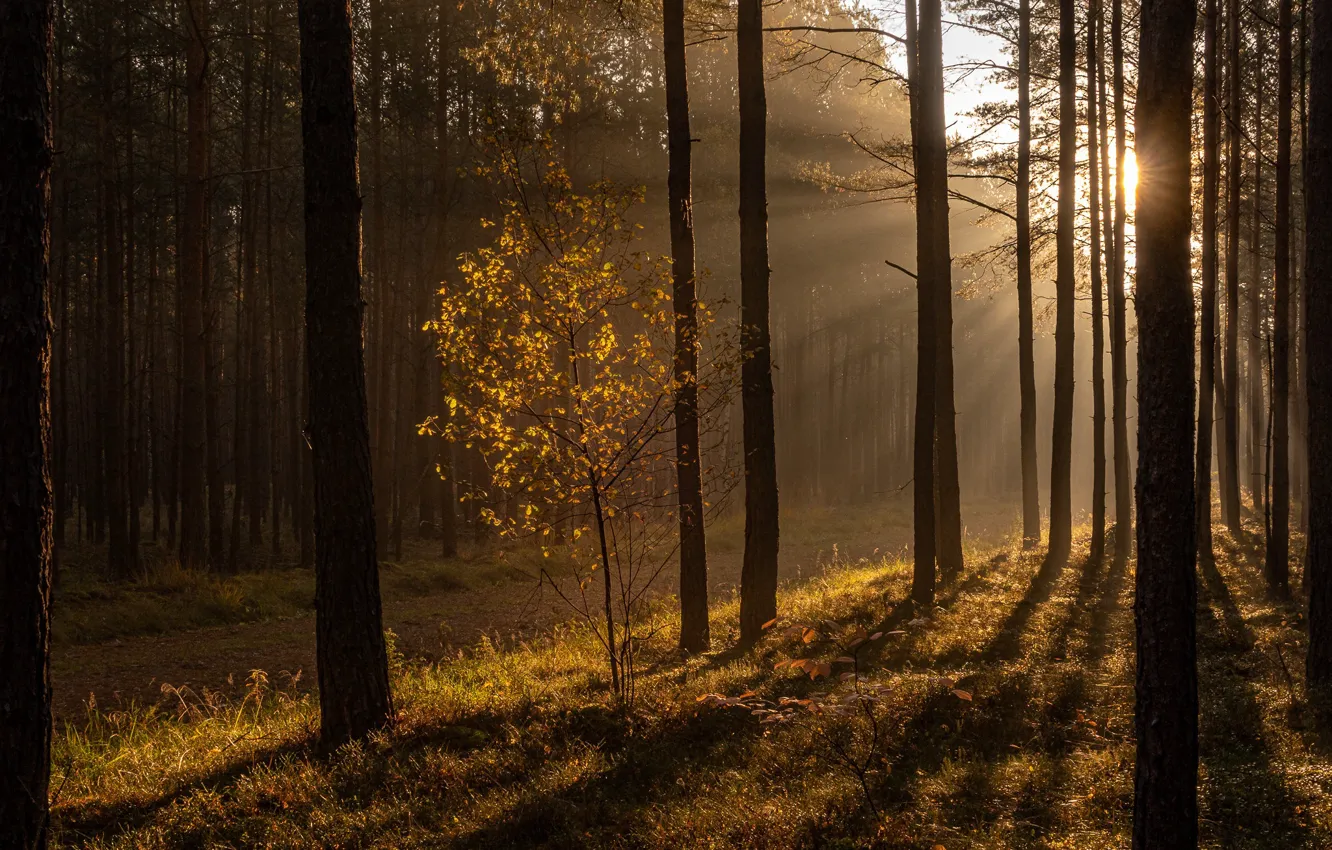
x,y
1130,179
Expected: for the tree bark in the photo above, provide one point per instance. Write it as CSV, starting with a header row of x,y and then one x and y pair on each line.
x,y
353,668
1061,454
1097,287
1317,318
1118,305
1207,319
1230,449
1165,811
192,429
758,577
694,634
1031,499
1278,541
26,44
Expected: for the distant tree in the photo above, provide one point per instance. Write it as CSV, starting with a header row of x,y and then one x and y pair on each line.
x,y
758,577
1061,455
26,38
1278,538
1318,317
353,664
1228,457
694,635
1165,810
1031,498
1207,314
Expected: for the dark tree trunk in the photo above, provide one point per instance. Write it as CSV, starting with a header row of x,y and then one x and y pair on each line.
x,y
1165,810
1278,541
353,667
758,577
26,39
1031,498
1118,306
1207,329
1097,287
1317,318
1061,454
694,635
924,520
1253,341
192,429
448,499
1229,459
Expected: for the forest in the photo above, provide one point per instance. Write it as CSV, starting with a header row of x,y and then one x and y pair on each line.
x,y
670,423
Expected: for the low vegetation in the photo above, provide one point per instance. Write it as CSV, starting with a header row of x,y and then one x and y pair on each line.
x,y
1002,718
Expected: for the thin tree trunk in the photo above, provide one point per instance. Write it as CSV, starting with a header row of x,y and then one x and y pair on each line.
x,y
1061,454
1278,542
1165,810
1207,328
1230,454
1118,305
191,433
924,525
1253,341
1031,500
354,694
694,635
26,43
1097,287
758,578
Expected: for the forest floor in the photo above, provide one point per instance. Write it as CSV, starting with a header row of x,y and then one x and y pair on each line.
x,y
1002,718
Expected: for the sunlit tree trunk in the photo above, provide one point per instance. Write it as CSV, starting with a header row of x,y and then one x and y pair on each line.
x,y
693,552
353,667
26,37
1165,809
1097,290
758,578
1229,461
1118,305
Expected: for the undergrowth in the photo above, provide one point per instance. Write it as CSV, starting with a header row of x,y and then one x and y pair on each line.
x,y
1001,718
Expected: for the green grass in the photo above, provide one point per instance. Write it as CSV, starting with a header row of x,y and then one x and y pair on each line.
x,y
523,746
166,598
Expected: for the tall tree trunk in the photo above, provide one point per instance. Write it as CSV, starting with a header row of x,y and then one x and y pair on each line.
x,y
1031,498
1165,806
758,577
448,498
112,414
1317,318
924,520
1207,328
191,433
1097,287
26,43
381,360
353,665
1061,454
1118,305
1253,341
694,635
1278,542
1230,449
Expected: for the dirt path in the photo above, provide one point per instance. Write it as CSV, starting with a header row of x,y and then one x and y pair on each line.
x,y
128,671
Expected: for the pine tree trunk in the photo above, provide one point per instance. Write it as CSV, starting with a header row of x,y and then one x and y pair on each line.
x,y
1097,287
924,519
1230,512
1207,328
758,578
1031,497
353,668
694,636
191,453
26,38
1165,810
1317,318
1256,468
1061,454
1278,541
1118,305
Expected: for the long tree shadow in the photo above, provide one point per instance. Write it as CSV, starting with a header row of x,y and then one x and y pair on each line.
x,y
1245,797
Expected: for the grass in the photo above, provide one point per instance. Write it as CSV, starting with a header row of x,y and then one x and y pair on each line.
x,y
521,746
166,598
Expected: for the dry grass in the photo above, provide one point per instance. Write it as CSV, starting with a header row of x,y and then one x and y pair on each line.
x,y
522,747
